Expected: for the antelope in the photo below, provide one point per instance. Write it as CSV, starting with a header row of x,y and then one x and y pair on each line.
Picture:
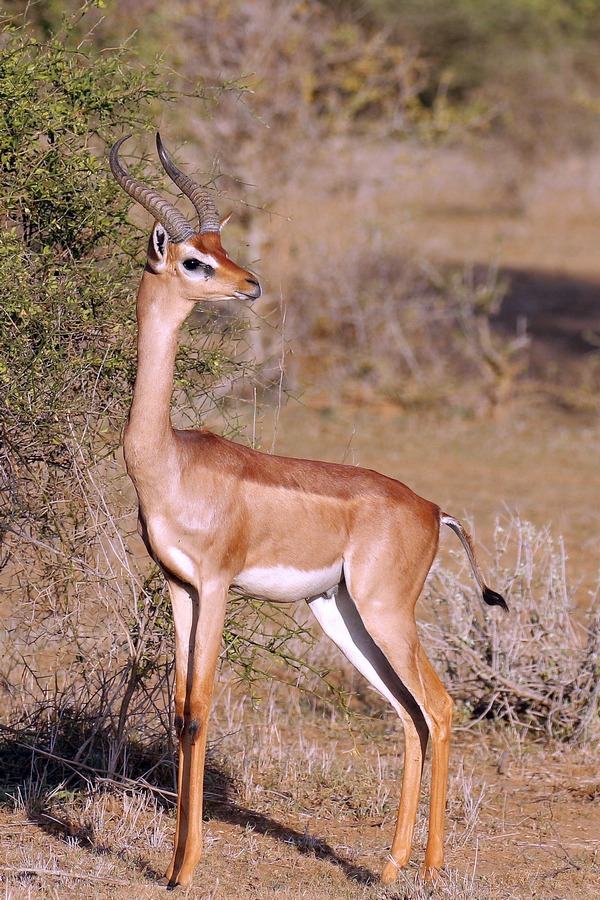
x,y
217,516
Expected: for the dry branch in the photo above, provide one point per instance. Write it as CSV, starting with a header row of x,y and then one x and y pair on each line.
x,y
60,873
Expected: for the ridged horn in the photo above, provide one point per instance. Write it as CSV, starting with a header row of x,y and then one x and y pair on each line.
x,y
204,204
177,226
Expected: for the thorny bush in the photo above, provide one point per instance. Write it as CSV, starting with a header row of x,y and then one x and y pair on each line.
x,y
86,627
537,667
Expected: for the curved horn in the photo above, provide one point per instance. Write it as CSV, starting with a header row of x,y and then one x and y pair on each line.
x,y
177,226
203,202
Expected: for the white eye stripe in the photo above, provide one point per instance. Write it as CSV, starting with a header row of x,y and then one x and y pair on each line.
x,y
208,260
195,266
204,258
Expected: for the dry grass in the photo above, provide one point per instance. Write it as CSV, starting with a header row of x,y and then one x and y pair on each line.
x,y
310,814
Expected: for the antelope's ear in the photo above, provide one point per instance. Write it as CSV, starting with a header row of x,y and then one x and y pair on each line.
x,y
225,220
158,248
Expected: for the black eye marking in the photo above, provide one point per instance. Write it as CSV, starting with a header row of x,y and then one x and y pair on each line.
x,y
194,264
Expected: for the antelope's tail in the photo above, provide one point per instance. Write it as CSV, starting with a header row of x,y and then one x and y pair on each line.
x,y
492,598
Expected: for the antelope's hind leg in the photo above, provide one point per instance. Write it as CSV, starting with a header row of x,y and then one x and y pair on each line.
x,y
198,618
399,642
406,679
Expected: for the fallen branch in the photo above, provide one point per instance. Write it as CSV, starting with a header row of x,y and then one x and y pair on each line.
x,y
59,873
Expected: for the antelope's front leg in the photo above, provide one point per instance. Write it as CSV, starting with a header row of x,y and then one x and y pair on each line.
x,y
198,621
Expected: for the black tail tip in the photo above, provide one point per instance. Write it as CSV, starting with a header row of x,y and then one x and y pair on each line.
x,y
492,598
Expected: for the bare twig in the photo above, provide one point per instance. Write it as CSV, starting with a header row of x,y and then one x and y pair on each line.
x,y
60,873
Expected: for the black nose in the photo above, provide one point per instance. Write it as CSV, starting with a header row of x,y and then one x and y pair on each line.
x,y
255,293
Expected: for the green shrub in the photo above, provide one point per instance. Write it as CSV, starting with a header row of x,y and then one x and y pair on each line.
x,y
87,635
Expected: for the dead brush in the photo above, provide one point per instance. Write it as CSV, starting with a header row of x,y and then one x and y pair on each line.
x,y
427,341
535,668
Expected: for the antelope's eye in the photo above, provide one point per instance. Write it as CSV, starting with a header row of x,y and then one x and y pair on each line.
x,y
193,264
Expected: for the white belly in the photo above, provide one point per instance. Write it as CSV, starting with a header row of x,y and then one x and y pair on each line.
x,y
285,584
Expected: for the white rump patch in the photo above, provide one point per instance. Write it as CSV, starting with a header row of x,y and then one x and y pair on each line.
x,y
285,584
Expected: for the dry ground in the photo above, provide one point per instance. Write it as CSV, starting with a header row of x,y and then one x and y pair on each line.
x,y
311,815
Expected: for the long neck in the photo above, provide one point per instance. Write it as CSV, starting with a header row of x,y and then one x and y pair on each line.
x,y
149,427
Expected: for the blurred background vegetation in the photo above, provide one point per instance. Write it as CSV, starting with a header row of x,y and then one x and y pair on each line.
x,y
326,125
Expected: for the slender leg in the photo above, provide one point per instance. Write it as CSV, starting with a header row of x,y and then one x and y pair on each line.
x,y
184,601
414,755
340,620
440,706
199,621
397,638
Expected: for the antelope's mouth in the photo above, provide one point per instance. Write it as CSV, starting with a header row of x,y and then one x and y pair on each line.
x,y
252,295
